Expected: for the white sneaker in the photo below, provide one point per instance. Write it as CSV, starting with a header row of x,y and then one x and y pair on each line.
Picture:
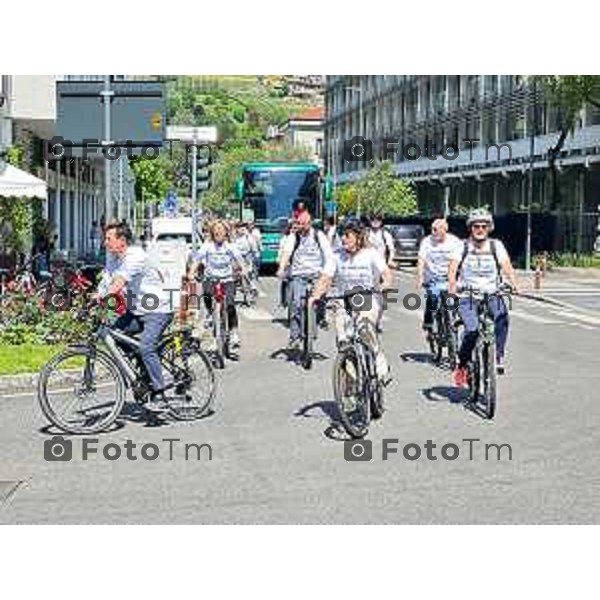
x,y
234,338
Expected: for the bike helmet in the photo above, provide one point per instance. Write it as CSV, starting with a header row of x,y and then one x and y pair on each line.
x,y
480,215
353,224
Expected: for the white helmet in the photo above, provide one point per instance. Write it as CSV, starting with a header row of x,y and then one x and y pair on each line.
x,y
480,215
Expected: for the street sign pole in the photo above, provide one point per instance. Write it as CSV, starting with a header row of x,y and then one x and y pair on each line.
x,y
107,94
127,217
194,194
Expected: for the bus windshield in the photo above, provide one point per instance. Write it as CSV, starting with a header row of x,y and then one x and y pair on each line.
x,y
273,193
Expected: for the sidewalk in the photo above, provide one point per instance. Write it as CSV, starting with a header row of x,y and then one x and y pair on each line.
x,y
569,287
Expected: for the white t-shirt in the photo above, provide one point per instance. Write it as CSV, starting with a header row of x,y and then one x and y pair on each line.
x,y
479,271
145,282
310,257
436,256
218,260
381,240
245,244
363,269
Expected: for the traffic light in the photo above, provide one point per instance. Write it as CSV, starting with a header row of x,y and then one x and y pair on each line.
x,y
203,168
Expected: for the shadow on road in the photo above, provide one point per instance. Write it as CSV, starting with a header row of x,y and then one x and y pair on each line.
x,y
423,358
447,393
325,408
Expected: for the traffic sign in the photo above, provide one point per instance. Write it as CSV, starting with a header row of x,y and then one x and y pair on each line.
x,y
188,133
138,115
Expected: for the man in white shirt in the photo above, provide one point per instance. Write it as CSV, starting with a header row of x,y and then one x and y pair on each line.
x,y
478,266
381,239
307,252
129,274
432,266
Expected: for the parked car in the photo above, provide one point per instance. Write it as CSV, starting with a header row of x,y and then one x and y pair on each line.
x,y
407,239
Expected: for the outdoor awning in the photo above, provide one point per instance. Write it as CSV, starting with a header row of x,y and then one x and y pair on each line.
x,y
16,182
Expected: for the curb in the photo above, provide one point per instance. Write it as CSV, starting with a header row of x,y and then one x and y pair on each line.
x,y
22,382
559,303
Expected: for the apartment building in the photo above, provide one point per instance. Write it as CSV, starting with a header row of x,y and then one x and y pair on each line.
x,y
501,126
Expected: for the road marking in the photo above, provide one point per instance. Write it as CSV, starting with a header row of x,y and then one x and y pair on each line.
x,y
535,318
577,316
256,314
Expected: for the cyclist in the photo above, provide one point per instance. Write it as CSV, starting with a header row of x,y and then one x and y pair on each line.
x,y
257,246
333,236
432,266
478,266
287,230
358,266
130,273
246,246
381,239
307,252
219,258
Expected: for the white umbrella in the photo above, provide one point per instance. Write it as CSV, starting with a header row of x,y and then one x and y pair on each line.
x,y
19,183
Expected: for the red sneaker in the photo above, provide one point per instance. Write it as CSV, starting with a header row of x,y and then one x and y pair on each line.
x,y
461,377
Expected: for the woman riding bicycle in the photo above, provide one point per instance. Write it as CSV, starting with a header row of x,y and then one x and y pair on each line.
x,y
219,258
358,268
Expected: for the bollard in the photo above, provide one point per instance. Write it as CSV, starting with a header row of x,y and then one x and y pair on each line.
x,y
537,280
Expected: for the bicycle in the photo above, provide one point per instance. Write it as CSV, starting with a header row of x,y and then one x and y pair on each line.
x,y
443,333
357,388
89,380
308,320
482,365
220,322
246,283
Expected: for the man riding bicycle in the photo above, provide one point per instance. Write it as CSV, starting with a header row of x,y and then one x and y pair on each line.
x,y
357,266
381,239
307,253
476,267
219,258
432,267
129,273
246,246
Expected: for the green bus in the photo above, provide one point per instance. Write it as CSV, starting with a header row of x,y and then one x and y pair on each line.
x,y
268,193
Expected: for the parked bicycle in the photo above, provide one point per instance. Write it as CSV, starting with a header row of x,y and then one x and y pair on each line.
x,y
82,390
357,388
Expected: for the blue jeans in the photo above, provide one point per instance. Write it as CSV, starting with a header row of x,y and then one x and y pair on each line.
x,y
467,309
152,327
433,301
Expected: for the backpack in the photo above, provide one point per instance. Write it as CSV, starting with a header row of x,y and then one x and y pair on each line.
x,y
494,254
297,244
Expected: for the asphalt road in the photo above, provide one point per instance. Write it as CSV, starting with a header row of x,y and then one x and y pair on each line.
x,y
277,456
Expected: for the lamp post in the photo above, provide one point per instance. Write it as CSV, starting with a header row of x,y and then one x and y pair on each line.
x,y
533,112
359,90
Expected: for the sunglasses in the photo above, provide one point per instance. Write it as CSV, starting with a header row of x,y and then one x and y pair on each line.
x,y
479,226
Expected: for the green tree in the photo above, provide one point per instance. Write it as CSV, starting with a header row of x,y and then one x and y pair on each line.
x,y
569,94
153,178
379,191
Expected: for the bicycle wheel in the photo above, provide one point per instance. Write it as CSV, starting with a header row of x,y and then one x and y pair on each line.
x,y
194,380
451,340
81,390
219,338
436,336
308,332
374,387
488,396
349,392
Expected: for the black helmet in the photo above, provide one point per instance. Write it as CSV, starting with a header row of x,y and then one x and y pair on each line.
x,y
353,224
